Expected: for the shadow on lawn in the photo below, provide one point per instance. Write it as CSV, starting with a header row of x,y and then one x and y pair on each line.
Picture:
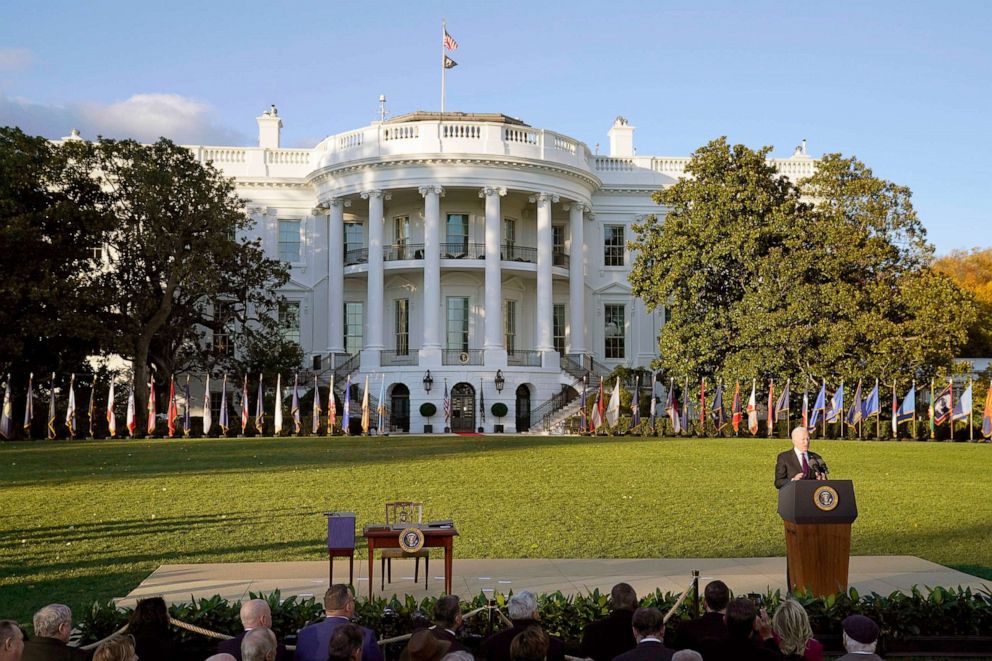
x,y
123,460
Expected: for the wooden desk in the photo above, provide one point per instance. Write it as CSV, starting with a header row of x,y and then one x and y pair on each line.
x,y
387,538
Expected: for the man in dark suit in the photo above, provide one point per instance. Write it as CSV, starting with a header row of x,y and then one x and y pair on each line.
x,y
649,630
447,621
339,605
799,463
522,609
11,641
612,636
749,636
691,635
254,613
52,627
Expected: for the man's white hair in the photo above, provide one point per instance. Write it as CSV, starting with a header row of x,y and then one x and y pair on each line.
x,y
853,646
687,655
48,620
259,644
460,655
521,606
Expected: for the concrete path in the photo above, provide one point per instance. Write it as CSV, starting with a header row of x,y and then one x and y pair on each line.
x,y
233,581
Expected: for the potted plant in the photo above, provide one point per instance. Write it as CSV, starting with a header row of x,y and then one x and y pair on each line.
x,y
499,410
427,410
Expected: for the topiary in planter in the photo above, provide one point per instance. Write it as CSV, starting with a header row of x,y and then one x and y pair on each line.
x,y
427,409
499,409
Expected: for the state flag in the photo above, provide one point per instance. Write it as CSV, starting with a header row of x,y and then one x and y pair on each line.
x,y
942,405
962,407
752,410
856,412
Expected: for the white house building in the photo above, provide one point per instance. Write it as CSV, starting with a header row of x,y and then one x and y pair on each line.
x,y
469,251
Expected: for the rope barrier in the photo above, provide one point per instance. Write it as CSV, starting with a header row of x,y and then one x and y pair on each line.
x,y
678,602
503,618
93,646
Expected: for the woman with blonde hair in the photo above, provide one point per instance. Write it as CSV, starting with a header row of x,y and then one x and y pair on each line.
x,y
119,647
794,634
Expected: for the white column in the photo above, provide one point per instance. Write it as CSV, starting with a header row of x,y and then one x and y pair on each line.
x,y
495,352
576,280
545,308
335,275
373,301
430,352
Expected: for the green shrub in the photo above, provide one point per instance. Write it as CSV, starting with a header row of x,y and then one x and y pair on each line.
x,y
499,409
427,409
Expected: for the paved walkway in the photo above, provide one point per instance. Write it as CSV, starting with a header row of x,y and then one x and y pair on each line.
x,y
233,581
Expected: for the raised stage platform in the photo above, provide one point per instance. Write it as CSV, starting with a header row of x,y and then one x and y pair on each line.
x,y
233,581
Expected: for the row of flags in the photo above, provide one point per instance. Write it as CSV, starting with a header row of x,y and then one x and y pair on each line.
x,y
182,423
833,409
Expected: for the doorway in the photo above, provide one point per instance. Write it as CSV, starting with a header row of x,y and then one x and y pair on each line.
x,y
463,408
523,408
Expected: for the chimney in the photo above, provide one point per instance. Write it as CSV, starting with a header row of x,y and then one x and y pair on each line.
x,y
621,138
269,126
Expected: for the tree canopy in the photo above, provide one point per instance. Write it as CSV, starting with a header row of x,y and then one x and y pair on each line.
x,y
828,277
972,271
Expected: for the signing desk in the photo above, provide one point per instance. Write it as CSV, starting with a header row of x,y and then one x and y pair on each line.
x,y
389,537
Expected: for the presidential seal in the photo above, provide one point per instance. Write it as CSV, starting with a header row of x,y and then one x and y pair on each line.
x,y
411,540
825,498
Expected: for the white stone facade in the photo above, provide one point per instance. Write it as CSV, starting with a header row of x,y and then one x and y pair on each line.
x,y
428,243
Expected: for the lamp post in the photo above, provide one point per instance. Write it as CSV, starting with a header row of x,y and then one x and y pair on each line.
x,y
500,381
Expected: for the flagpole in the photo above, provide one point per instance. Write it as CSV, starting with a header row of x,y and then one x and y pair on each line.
x,y
950,424
971,411
702,408
842,412
824,409
933,426
444,29
771,407
913,422
788,408
895,416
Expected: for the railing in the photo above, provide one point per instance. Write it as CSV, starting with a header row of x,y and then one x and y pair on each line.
x,y
463,250
356,256
398,358
401,132
519,134
559,258
471,131
511,252
580,364
287,156
613,164
349,140
400,251
555,403
342,371
224,155
466,357
523,358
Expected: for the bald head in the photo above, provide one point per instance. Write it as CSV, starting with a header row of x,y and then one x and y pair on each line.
x,y
256,613
800,439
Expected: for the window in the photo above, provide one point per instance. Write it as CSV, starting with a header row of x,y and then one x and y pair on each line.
x,y
354,321
458,323
222,341
558,238
510,325
558,327
402,326
354,236
615,330
613,245
289,241
289,320
509,232
457,238
401,230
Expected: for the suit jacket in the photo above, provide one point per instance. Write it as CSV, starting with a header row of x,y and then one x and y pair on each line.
x,y
610,637
735,649
649,650
690,635
443,634
233,647
860,657
787,465
41,648
312,641
497,646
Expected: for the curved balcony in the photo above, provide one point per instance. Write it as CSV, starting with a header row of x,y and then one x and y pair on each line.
x,y
509,252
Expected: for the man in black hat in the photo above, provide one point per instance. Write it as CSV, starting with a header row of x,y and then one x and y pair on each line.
x,y
860,638
424,646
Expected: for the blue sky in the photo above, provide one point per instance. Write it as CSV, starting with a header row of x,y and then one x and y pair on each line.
x,y
904,86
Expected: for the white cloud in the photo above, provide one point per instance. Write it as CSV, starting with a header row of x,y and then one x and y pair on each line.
x,y
143,117
15,59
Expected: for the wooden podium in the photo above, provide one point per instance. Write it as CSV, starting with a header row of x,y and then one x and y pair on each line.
x,y
818,516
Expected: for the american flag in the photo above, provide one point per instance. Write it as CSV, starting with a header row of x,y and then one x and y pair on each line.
x,y
447,403
449,42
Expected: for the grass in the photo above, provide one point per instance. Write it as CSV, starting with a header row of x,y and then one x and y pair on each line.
x,y
89,520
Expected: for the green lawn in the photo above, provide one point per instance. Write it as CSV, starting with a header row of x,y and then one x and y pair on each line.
x,y
87,520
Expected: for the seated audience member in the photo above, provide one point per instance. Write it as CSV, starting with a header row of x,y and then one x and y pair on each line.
x,y
52,628
612,636
522,609
149,625
259,644
740,645
687,655
339,605
463,655
11,641
531,644
119,647
860,638
711,626
447,621
346,644
222,656
254,613
648,626
424,646
793,633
